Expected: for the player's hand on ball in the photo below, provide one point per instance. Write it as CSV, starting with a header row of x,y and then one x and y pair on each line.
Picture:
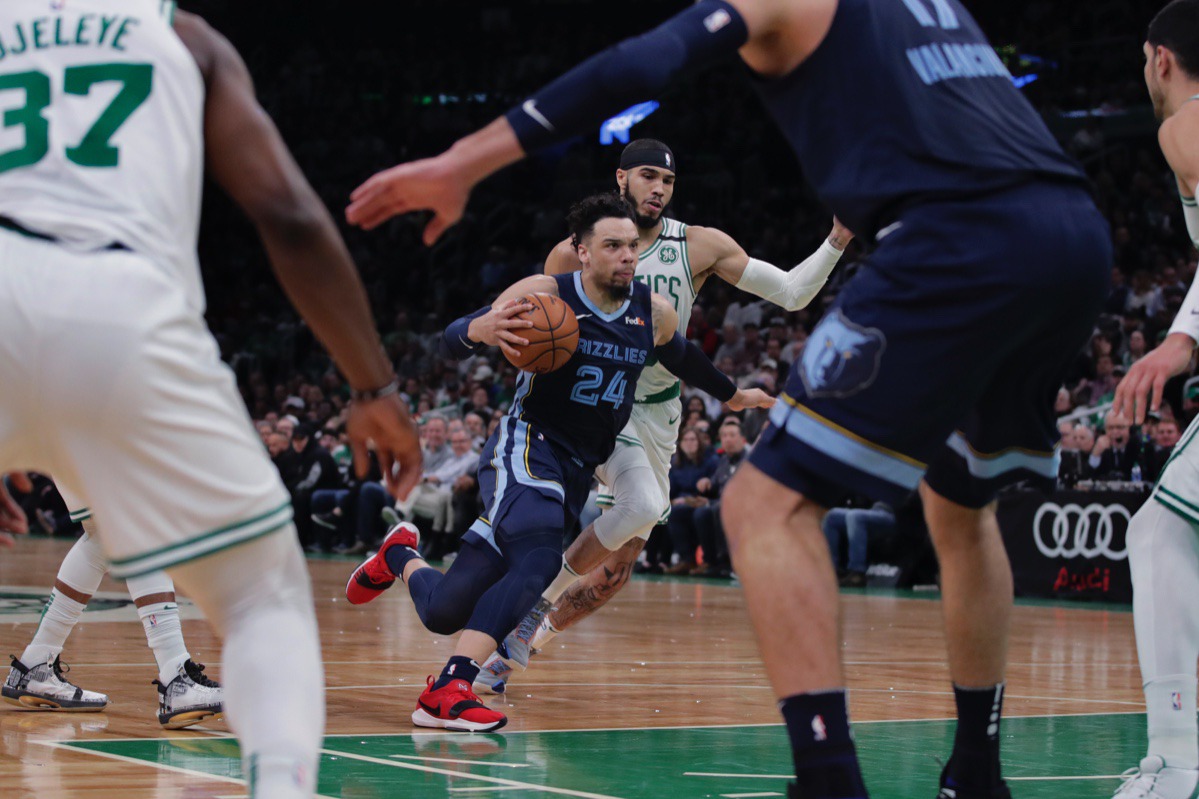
x,y
751,398
431,184
500,327
386,422
1141,389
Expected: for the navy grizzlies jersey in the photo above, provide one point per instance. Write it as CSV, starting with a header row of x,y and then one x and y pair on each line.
x,y
584,404
905,99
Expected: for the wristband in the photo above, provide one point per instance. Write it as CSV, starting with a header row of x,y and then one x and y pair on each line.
x,y
378,393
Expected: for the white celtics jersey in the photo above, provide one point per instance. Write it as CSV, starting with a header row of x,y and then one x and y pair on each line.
x,y
666,269
101,129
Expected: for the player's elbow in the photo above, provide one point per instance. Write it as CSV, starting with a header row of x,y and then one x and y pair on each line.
x,y
289,215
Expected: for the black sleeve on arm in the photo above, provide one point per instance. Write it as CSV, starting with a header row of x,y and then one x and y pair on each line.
x,y
631,72
455,343
688,361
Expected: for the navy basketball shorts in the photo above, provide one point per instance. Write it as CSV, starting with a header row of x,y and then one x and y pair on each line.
x,y
528,484
943,355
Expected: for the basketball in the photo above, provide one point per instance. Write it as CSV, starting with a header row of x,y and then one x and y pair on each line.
x,y
552,338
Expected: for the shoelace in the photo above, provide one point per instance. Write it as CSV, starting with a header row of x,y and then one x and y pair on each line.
x,y
60,669
195,671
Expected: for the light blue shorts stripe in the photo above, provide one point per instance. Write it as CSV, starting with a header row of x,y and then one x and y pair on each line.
x,y
990,467
840,447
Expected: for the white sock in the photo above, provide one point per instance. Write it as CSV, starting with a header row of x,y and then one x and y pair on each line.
x,y
545,633
58,619
164,634
82,569
259,598
1163,555
565,579
160,620
1170,707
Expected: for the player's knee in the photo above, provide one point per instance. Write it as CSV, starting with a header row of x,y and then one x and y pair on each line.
x,y
444,621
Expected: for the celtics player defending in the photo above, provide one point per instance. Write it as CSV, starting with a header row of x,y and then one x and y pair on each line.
x,y
675,260
186,696
1163,537
113,383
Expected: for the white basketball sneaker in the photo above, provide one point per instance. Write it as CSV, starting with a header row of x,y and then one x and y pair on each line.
x,y
43,687
1153,779
189,698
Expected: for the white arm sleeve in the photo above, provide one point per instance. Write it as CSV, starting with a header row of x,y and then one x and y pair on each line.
x,y
1187,321
1190,212
795,289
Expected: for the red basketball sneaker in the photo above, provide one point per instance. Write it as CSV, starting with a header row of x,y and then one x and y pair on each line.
x,y
373,576
455,707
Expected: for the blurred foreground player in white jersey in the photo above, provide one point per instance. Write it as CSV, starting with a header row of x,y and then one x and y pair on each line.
x,y
1163,537
37,681
122,394
935,146
674,260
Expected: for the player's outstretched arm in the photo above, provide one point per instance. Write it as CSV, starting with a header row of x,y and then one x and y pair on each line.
x,y
792,289
12,518
630,72
687,361
248,158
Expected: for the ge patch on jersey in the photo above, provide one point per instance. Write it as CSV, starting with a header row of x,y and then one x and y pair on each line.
x,y
841,358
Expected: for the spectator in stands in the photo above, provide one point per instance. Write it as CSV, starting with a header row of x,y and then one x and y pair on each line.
x,y
708,527
1116,452
856,526
1135,349
433,497
689,465
476,426
1077,444
315,470
732,349
1165,436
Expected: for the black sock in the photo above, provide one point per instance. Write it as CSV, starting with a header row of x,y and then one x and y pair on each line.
x,y
826,763
397,558
459,667
975,760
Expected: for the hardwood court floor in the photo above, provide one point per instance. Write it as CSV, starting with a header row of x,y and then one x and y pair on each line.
x,y
659,694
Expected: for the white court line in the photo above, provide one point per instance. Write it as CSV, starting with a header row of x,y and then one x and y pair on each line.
x,y
517,686
507,732
1047,779
482,788
748,795
741,776
152,763
466,776
734,662
464,762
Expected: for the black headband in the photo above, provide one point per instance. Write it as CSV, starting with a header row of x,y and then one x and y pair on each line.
x,y
648,152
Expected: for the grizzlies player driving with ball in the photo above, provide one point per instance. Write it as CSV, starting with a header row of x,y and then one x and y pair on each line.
x,y
936,368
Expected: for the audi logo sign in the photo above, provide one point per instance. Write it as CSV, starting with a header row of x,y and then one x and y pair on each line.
x,y
1072,530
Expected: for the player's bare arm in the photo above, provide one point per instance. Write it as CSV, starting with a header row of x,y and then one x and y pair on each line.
x,y
562,259
666,320
1142,388
248,158
772,36
500,326
1177,137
